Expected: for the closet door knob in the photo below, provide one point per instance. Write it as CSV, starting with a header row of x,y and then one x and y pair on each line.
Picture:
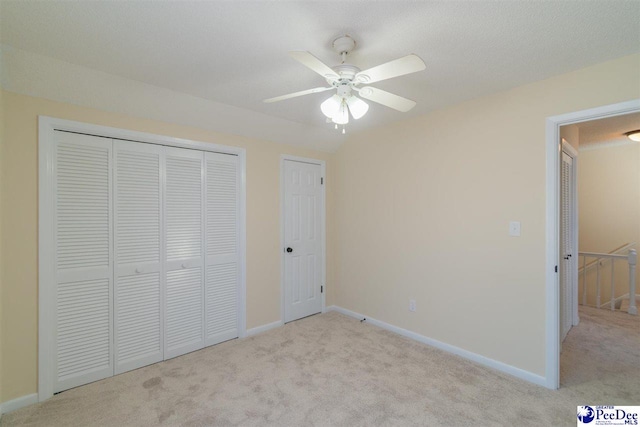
x,y
185,265
139,270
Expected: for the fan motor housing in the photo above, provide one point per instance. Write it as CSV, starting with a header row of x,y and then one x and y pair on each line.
x,y
346,72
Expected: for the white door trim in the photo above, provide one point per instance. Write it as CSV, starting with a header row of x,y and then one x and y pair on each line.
x,y
323,225
46,273
552,332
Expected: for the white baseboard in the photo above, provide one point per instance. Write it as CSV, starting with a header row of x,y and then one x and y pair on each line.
x,y
264,328
474,357
18,403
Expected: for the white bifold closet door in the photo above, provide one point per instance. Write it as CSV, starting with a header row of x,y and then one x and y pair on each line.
x,y
138,255
222,257
83,260
147,254
184,225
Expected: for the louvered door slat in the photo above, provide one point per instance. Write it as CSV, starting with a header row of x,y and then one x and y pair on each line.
x,y
83,259
222,259
184,292
138,231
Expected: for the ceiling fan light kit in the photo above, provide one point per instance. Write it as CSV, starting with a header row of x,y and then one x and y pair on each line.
x,y
345,78
634,135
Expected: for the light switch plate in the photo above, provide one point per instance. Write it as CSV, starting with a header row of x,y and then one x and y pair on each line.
x,y
514,228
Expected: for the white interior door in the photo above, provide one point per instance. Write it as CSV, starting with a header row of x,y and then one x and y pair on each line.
x,y
303,263
183,217
222,270
138,243
83,259
568,249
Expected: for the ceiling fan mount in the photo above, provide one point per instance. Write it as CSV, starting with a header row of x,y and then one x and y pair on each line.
x,y
344,45
345,79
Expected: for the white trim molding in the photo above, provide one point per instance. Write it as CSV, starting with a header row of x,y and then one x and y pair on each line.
x,y
465,354
47,126
264,328
553,147
323,226
20,402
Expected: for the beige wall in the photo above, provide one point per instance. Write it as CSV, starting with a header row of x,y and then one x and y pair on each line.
x,y
423,208
608,197
19,224
609,208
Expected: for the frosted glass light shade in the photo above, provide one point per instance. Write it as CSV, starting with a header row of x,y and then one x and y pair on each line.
x,y
331,106
341,116
634,135
357,107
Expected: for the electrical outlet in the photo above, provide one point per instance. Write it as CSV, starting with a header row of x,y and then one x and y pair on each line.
x,y
514,228
412,305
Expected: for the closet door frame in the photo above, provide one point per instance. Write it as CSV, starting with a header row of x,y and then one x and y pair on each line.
x,y
46,226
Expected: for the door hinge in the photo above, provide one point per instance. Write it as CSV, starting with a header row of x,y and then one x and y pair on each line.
x,y
556,268
321,180
321,289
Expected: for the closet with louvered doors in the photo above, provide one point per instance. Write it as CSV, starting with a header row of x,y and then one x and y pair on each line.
x,y
147,254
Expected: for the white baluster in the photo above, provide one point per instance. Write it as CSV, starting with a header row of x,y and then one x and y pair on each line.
x,y
584,280
633,259
613,283
598,283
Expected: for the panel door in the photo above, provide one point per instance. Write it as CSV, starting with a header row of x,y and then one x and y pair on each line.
x,y
83,339
138,313
566,245
222,248
183,218
303,239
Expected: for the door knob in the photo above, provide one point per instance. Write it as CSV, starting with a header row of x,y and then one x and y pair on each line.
x,y
289,250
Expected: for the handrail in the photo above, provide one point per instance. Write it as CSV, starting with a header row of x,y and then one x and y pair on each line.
x,y
632,259
619,249
600,255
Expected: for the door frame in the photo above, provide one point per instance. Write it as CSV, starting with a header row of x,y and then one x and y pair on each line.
x,y
552,228
323,224
46,273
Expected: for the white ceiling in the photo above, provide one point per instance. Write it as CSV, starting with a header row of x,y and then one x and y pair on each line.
x,y
235,52
605,131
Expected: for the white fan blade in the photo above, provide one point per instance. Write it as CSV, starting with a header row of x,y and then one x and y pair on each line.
x,y
314,64
302,92
387,99
399,67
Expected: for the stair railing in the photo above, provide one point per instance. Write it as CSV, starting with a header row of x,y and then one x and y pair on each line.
x,y
631,257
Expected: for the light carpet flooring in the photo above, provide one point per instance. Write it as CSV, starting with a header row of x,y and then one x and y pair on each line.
x,y
332,370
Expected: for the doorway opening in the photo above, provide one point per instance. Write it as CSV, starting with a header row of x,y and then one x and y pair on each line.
x,y
597,269
554,254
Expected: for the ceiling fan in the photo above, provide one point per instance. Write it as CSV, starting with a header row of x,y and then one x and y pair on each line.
x,y
348,80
